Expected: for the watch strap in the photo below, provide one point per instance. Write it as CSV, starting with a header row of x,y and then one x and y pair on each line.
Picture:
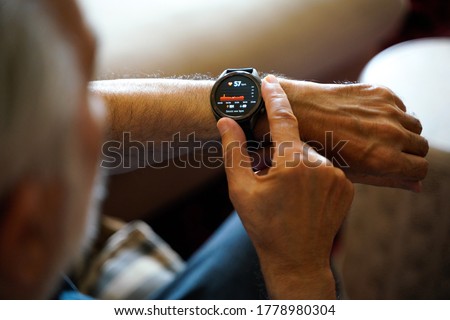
x,y
249,70
247,127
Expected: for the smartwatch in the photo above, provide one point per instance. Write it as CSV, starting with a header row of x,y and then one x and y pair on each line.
x,y
237,95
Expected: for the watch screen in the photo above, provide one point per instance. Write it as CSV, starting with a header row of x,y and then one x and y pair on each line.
x,y
236,96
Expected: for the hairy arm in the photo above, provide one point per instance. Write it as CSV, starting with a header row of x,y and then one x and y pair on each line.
x,y
168,117
362,129
156,109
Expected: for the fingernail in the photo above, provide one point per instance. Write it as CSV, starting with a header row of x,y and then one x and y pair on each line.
x,y
271,79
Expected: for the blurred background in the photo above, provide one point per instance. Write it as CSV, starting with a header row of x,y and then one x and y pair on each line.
x,y
306,39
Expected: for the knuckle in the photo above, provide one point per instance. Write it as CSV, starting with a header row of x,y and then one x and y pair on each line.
x,y
383,94
419,144
418,125
425,146
284,114
277,93
340,175
390,131
340,179
386,94
423,169
414,123
372,89
414,120
383,91
392,111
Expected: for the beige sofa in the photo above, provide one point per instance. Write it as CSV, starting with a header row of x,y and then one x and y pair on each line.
x,y
397,243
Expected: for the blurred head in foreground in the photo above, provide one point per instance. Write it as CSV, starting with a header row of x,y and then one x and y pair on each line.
x,y
50,138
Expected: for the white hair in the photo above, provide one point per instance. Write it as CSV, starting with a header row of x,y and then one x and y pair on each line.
x,y
41,89
39,93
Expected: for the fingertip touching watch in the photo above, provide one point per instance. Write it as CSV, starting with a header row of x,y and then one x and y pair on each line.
x,y
237,95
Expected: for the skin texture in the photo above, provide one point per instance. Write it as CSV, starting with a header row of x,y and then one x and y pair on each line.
x,y
295,258
382,146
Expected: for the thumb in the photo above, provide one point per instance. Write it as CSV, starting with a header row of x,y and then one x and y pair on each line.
x,y
238,164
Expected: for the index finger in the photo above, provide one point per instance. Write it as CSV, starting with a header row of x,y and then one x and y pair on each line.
x,y
282,121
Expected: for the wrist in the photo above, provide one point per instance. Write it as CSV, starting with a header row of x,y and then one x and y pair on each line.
x,y
291,284
303,277
297,93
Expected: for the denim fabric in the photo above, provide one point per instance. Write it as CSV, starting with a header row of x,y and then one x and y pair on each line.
x,y
225,267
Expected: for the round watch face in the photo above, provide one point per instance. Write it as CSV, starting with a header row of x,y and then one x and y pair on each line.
x,y
237,95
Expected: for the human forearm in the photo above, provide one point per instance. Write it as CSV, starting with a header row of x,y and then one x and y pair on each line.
x,y
156,109
154,120
362,129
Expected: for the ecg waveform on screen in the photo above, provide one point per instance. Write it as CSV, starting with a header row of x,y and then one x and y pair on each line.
x,y
224,98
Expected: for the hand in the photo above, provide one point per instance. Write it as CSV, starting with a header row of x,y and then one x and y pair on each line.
x,y
362,129
292,210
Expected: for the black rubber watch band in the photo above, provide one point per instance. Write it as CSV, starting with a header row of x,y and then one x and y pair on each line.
x,y
249,135
249,70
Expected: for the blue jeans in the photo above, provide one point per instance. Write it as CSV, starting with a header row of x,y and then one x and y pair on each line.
x,y
225,267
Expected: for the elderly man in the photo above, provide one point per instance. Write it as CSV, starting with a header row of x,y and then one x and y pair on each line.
x,y
52,129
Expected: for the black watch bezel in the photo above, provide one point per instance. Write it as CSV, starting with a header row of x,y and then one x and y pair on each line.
x,y
253,75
